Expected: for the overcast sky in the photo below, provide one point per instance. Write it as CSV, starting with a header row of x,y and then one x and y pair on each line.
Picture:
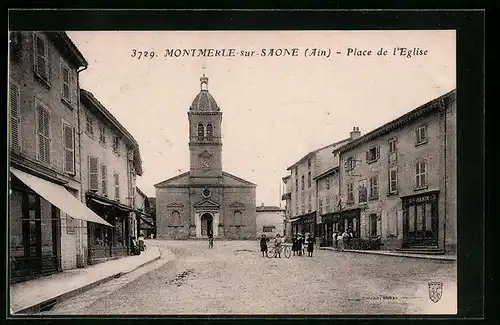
x,y
275,109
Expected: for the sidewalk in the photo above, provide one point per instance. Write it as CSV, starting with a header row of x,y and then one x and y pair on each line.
x,y
27,297
392,253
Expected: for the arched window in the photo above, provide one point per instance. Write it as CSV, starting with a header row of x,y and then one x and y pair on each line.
x,y
176,218
201,132
238,218
210,132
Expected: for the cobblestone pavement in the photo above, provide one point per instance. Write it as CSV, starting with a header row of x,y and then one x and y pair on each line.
x,y
233,278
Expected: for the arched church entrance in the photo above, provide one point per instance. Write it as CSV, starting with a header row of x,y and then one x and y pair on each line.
x,y
207,222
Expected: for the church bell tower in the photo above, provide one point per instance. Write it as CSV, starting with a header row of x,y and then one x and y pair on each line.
x,y
205,138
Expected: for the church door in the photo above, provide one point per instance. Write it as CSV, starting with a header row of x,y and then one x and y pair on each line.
x,y
206,224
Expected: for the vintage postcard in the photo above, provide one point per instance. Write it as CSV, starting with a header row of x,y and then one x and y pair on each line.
x,y
233,172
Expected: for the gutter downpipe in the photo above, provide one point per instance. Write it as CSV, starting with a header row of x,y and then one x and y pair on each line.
x,y
80,256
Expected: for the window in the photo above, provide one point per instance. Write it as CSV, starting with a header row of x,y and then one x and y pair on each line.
x,y
373,154
90,128
268,228
328,204
303,182
201,132
350,193
117,186
309,179
15,116
296,184
320,206
373,225
309,203
93,174
43,132
350,163
374,188
302,201
210,132
238,218
420,174
66,83
116,144
362,192
309,164
176,218
393,180
41,57
69,148
421,134
392,145
104,180
102,134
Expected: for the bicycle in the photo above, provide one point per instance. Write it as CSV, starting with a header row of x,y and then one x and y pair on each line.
x,y
286,249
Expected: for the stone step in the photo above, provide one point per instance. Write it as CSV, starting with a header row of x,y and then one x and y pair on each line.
x,y
413,250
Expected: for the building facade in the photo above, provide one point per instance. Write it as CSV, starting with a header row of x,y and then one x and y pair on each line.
x,y
46,215
270,221
111,162
398,182
287,197
144,221
206,199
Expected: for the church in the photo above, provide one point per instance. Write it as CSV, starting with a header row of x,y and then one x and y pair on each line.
x,y
205,199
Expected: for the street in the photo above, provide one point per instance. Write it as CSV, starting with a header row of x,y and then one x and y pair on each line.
x,y
233,278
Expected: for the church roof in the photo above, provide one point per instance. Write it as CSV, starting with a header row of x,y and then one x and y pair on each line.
x,y
204,102
183,181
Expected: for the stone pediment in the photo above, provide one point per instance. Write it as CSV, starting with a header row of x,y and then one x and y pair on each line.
x,y
207,204
175,205
237,204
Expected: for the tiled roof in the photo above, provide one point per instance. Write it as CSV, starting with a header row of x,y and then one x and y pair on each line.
x,y
267,208
204,102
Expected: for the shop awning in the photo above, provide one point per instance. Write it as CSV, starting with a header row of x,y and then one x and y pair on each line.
x,y
59,196
295,219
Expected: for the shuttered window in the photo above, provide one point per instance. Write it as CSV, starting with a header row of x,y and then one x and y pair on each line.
x,y
104,180
69,148
66,82
116,144
41,56
117,187
15,116
43,132
93,174
90,127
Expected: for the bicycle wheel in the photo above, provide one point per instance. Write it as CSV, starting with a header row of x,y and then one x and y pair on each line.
x,y
271,252
288,252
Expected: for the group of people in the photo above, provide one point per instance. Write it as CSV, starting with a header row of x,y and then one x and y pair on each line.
x,y
341,239
299,242
278,241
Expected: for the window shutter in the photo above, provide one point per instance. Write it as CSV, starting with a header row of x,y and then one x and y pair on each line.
x,y
73,89
15,116
117,187
93,176
368,155
41,56
104,180
69,149
43,131
378,152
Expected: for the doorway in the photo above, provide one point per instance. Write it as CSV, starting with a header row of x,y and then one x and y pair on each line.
x,y
206,224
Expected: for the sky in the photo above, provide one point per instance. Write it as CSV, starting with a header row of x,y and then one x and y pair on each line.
x,y
275,109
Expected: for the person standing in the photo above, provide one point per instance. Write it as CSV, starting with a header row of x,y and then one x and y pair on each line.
x,y
277,246
263,244
310,245
336,240
210,240
294,244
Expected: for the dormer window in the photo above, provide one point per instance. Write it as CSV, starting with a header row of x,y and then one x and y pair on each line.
x,y
210,132
201,132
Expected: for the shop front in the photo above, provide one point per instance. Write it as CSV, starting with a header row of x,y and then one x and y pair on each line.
x,y
420,220
35,226
330,224
349,219
304,224
106,243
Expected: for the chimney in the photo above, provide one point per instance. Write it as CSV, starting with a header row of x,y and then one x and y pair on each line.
x,y
355,133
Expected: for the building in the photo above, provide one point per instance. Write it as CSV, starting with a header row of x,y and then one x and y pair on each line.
x,y
304,203
111,161
144,221
270,221
398,182
151,211
205,199
46,215
287,197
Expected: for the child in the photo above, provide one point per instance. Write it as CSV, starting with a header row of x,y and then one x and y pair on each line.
x,y
263,244
277,246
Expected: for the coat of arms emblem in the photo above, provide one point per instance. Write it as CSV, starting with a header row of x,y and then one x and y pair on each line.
x,y
435,291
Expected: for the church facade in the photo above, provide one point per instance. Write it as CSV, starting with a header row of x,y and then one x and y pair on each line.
x,y
206,199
